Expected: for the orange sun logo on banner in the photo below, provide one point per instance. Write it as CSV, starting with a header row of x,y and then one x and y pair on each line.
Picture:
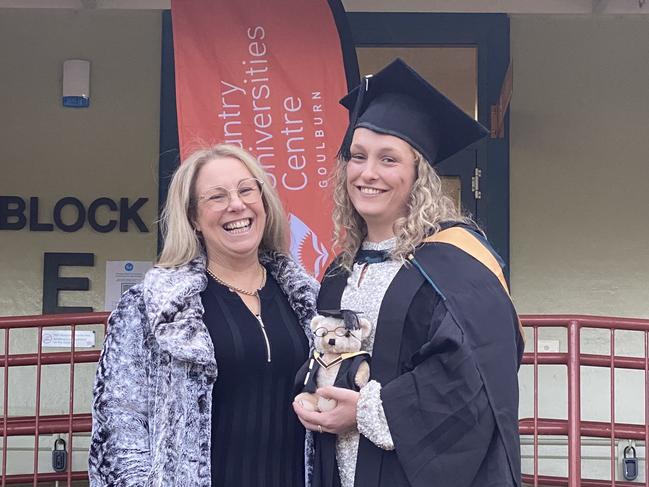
x,y
267,76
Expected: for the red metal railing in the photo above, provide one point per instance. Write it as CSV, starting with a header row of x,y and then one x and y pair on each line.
x,y
45,424
574,428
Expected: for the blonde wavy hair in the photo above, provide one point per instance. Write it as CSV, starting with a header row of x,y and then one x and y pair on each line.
x,y
427,208
181,241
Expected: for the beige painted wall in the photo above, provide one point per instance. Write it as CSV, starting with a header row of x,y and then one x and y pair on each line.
x,y
579,222
580,165
109,149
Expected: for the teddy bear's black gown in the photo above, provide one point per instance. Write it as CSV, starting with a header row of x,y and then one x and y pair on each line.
x,y
325,466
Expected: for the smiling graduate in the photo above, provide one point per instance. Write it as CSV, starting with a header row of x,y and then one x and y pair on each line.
x,y
441,407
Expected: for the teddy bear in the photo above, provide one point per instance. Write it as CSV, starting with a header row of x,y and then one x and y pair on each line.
x,y
337,359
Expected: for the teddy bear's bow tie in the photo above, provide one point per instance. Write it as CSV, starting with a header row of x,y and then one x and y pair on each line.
x,y
368,256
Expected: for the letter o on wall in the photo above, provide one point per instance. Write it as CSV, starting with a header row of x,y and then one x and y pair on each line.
x,y
81,214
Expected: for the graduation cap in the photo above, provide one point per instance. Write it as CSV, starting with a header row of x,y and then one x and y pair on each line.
x,y
397,101
347,315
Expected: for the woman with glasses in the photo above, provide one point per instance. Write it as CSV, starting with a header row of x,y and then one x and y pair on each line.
x,y
195,381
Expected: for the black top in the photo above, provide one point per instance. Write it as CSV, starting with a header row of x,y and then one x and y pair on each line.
x,y
257,440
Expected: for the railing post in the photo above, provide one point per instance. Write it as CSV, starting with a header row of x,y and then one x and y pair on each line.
x,y
612,372
37,415
5,409
73,342
574,405
536,406
646,404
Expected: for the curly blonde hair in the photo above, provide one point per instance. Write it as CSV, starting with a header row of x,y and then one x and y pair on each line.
x,y
427,208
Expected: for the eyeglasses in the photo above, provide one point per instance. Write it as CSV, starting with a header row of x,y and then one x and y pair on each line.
x,y
248,190
339,332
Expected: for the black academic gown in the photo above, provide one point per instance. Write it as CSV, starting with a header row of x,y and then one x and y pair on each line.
x,y
448,363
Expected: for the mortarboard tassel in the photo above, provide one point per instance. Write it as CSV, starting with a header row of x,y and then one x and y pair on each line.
x,y
350,318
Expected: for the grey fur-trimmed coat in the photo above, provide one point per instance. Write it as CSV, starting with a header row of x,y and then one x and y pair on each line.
x,y
152,407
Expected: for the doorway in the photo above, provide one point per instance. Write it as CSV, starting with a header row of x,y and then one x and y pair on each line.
x,y
465,56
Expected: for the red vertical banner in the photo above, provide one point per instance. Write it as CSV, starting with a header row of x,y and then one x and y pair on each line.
x,y
267,76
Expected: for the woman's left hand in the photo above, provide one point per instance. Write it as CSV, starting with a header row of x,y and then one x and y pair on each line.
x,y
340,419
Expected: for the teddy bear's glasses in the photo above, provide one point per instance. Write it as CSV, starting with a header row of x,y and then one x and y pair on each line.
x,y
339,332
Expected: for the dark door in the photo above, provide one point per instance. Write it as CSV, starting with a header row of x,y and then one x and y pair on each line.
x,y
442,46
460,177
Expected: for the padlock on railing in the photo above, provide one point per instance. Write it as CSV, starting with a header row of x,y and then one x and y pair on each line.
x,y
630,464
59,456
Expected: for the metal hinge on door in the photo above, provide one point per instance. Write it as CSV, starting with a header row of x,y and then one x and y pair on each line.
x,y
475,183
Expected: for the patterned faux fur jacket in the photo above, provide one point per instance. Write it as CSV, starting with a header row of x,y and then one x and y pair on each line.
x,y
152,404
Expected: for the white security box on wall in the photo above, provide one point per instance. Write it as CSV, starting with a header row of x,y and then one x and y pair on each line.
x,y
76,83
